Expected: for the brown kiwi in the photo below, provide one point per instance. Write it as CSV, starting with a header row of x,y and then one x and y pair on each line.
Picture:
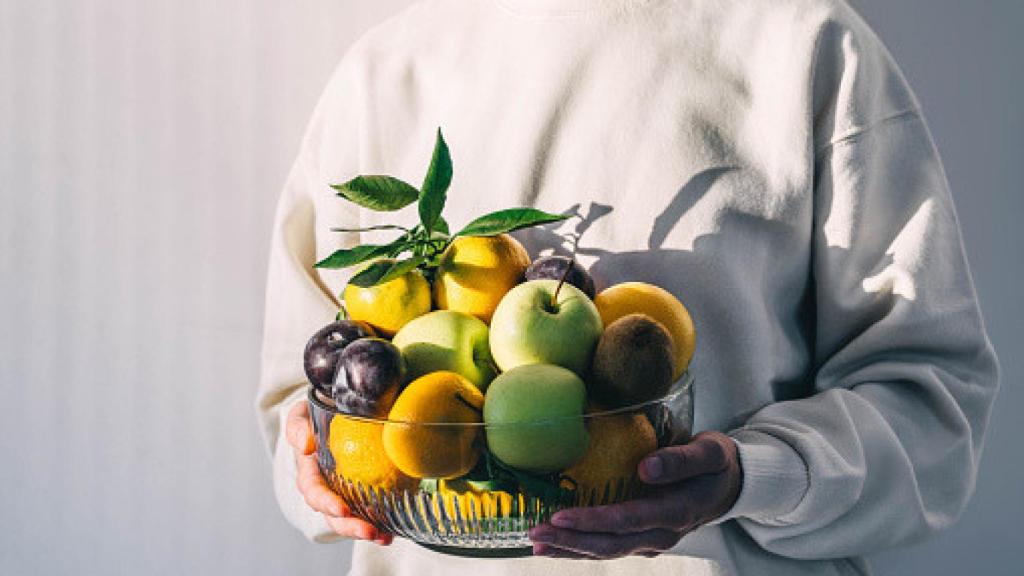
x,y
632,363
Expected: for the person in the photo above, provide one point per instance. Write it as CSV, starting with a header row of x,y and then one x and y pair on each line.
x,y
764,161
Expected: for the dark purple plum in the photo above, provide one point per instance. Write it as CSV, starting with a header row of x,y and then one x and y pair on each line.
x,y
373,369
554,267
348,402
323,351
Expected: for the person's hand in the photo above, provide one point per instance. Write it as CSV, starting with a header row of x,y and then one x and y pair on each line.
x,y
317,494
693,484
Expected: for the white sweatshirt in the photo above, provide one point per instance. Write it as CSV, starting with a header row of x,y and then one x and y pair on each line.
x,y
763,160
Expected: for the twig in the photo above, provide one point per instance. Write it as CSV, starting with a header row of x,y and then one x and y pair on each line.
x,y
372,228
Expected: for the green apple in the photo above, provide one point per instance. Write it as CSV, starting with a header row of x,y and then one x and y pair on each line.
x,y
531,327
447,340
534,418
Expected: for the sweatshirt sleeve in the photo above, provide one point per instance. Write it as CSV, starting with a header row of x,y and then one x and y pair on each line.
x,y
299,300
887,449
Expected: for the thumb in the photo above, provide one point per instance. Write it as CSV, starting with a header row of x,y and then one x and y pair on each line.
x,y
707,453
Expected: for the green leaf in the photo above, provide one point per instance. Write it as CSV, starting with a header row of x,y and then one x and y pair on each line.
x,y
547,487
404,242
441,225
402,267
384,271
491,485
380,193
508,220
351,256
372,274
434,191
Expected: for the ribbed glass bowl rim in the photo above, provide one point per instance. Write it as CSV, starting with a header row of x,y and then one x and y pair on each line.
x,y
681,386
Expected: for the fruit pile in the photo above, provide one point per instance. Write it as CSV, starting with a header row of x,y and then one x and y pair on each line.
x,y
467,330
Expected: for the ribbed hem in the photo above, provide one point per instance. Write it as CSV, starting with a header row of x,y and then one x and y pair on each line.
x,y
774,478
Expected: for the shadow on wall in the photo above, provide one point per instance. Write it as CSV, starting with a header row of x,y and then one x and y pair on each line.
x,y
712,300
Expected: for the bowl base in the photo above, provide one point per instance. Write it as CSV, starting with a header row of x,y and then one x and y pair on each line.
x,y
523,552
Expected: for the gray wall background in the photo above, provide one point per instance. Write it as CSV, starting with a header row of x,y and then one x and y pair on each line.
x,y
142,147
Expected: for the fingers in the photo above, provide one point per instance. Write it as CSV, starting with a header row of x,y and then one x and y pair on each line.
x,y
298,430
358,530
670,510
321,498
550,551
315,491
707,453
699,472
602,544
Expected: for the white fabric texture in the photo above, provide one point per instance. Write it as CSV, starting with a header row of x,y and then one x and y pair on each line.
x,y
764,161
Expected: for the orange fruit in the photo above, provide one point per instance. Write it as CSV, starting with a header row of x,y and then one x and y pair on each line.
x,y
476,271
618,442
388,306
642,298
359,455
422,436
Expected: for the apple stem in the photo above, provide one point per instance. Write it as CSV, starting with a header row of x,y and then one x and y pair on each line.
x,y
468,404
568,269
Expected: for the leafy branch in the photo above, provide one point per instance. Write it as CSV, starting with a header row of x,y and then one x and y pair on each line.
x,y
422,245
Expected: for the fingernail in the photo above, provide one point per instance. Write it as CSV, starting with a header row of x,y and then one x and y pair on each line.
x,y
563,520
654,467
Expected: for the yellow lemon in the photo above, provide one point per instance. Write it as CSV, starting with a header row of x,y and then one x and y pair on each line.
x,y
639,297
473,503
476,271
389,306
618,442
423,436
359,456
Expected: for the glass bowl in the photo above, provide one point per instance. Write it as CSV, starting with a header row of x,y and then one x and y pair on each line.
x,y
487,512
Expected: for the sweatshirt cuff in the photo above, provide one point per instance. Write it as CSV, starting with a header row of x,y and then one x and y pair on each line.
x,y
775,478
